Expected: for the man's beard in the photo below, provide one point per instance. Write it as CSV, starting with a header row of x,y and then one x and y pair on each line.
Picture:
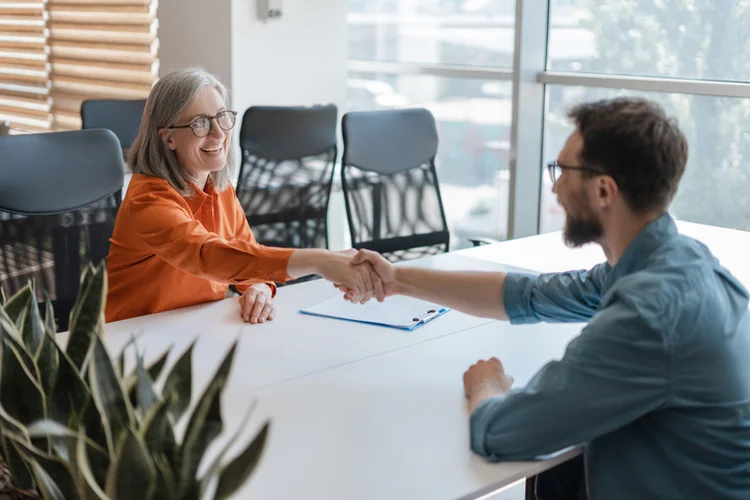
x,y
583,227
581,230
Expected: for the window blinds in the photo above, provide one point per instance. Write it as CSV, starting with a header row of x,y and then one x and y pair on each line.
x,y
99,49
24,66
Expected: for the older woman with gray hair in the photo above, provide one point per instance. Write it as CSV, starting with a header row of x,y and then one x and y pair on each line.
x,y
181,237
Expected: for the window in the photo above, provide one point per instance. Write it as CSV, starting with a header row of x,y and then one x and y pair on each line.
x,y
683,49
461,32
473,121
456,57
55,54
449,57
713,189
705,39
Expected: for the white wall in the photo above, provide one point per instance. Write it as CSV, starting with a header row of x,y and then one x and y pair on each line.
x,y
196,33
299,59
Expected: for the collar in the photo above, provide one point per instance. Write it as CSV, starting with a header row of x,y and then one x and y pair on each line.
x,y
649,239
201,196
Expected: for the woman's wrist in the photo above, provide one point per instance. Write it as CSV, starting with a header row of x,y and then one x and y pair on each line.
x,y
264,287
308,261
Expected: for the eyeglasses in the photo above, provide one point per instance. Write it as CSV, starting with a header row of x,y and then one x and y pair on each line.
x,y
556,170
203,125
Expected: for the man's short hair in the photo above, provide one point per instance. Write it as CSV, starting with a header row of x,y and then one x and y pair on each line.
x,y
633,140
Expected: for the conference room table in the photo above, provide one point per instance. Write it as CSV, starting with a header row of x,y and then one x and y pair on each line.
x,y
366,412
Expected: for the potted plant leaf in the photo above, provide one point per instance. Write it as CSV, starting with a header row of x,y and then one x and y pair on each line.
x,y
74,426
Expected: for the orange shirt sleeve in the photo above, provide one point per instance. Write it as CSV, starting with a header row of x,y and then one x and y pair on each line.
x,y
243,232
162,220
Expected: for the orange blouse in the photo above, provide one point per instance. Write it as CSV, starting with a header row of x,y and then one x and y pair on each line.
x,y
168,251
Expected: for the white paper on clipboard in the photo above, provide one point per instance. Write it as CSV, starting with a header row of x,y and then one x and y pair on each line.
x,y
405,313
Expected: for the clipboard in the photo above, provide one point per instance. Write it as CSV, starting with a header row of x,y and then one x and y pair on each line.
x,y
400,312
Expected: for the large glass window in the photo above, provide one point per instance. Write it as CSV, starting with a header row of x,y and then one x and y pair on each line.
x,y
672,40
473,119
714,189
460,32
703,39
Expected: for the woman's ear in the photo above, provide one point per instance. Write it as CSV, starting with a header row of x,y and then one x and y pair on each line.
x,y
166,138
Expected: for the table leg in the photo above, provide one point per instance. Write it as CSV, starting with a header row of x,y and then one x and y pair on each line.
x,y
530,484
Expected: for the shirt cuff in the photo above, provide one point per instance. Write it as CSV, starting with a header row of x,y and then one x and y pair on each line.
x,y
479,425
276,261
273,288
517,298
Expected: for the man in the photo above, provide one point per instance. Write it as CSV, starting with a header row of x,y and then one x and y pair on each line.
x,y
657,385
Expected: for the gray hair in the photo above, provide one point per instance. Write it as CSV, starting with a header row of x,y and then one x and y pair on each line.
x,y
169,97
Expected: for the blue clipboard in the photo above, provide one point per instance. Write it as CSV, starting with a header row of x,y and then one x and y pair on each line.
x,y
401,313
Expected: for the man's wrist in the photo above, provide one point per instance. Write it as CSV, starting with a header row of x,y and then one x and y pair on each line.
x,y
487,389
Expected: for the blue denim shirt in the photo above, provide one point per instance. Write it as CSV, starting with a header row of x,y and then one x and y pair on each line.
x,y
657,385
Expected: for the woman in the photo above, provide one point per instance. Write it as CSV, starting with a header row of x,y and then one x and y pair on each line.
x,y
181,236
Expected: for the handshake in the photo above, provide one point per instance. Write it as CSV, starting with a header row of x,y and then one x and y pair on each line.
x,y
361,275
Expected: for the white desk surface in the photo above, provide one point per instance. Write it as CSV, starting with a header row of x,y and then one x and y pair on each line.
x,y
366,412
292,345
393,426
548,253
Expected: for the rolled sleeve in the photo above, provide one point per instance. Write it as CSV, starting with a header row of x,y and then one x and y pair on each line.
x,y
481,419
553,297
612,374
516,295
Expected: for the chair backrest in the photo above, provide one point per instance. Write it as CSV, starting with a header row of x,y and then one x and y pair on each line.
x,y
59,195
284,186
123,117
390,183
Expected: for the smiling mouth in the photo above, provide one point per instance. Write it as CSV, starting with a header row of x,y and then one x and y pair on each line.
x,y
217,149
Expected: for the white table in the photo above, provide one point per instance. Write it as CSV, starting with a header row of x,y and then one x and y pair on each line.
x,y
393,426
548,253
365,412
293,345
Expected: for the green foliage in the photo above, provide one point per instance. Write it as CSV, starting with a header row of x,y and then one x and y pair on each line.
x,y
73,426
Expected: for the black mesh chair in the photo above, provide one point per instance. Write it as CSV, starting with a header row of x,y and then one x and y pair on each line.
x,y
390,183
284,186
59,195
123,117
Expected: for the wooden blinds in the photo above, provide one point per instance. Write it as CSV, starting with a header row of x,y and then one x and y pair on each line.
x,y
99,49
24,67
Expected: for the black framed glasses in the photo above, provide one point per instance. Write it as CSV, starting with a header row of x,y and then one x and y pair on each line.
x,y
555,170
203,125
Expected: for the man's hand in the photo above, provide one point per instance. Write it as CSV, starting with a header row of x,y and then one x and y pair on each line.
x,y
485,379
360,281
256,304
384,270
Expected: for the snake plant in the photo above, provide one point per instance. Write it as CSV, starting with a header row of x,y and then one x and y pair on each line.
x,y
74,426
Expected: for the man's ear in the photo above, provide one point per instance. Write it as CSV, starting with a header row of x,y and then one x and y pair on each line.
x,y
606,191
166,138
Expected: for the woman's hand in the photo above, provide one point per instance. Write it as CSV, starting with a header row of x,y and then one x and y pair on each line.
x,y
380,266
256,304
361,281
